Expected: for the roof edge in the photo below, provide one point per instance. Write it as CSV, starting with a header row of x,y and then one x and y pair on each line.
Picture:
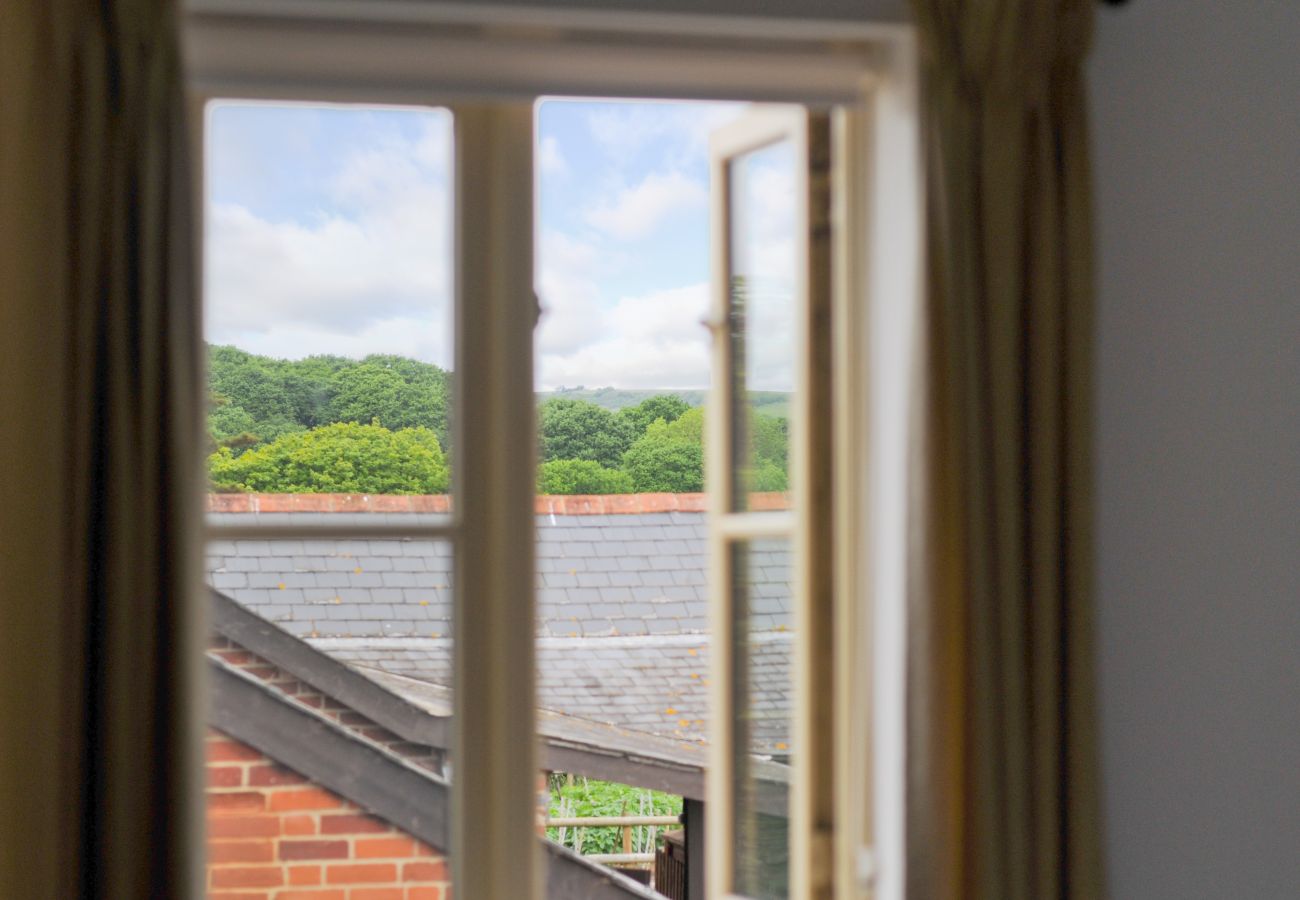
x,y
415,801
407,720
326,674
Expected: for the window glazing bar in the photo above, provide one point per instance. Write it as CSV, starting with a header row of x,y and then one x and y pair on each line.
x,y
742,525
494,788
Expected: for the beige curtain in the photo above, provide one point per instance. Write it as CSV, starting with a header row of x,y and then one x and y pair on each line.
x,y
1002,792
99,360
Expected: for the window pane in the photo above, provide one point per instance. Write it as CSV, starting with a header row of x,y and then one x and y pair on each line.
x,y
762,323
328,299
329,638
762,700
623,376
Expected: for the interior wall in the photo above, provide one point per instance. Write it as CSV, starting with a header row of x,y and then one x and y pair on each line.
x,y
1196,128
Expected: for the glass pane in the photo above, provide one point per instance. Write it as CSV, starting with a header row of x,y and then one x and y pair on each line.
x,y
762,323
285,614
762,678
328,300
623,376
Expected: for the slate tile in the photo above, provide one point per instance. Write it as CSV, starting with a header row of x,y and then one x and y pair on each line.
x,y
220,580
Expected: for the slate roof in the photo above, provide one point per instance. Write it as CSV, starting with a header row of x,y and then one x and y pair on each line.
x,y
622,621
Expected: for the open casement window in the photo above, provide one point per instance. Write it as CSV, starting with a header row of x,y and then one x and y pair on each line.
x,y
790,801
771,789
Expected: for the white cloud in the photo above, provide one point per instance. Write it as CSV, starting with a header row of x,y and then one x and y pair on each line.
x,y
679,131
652,341
567,288
763,203
424,338
765,255
370,275
551,159
370,271
636,211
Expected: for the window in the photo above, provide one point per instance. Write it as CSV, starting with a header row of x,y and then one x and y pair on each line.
x,y
839,261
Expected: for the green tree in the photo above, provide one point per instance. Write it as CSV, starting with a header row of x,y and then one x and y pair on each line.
x,y
766,475
769,444
576,429
396,392
669,457
252,382
668,407
227,421
581,476
309,385
338,458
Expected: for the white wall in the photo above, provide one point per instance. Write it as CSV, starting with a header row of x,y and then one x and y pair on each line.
x,y
1196,127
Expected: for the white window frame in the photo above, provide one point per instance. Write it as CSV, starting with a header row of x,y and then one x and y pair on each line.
x,y
459,56
806,528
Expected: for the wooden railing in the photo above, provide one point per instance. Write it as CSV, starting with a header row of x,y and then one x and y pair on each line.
x,y
626,823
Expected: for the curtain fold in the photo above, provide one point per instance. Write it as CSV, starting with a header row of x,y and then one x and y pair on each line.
x,y
1002,756
100,361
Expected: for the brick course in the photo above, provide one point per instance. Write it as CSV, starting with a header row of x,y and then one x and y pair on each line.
x,y
272,835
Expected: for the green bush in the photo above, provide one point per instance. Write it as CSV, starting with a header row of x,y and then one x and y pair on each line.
x,y
339,458
581,476
588,797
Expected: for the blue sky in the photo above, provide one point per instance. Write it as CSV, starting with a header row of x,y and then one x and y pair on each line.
x,y
328,231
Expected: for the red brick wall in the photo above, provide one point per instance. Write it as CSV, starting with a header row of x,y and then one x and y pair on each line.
x,y
274,836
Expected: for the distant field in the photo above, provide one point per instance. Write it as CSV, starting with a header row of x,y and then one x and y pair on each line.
x,y
768,403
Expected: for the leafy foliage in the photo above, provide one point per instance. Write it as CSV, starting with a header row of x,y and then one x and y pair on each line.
x,y
769,452
393,392
764,403
669,456
265,398
615,442
252,383
588,797
338,458
668,407
575,429
581,476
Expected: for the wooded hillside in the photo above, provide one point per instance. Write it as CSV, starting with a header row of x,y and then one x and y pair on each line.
x,y
382,424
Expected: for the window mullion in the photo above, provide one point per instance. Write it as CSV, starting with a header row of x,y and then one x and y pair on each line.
x,y
494,840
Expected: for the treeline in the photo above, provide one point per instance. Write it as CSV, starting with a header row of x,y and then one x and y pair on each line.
x,y
331,424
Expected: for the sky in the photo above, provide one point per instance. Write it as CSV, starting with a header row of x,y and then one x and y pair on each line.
x,y
328,231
